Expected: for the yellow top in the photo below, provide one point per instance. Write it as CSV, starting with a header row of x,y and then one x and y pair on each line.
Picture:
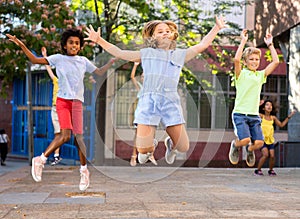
x,y
268,130
55,90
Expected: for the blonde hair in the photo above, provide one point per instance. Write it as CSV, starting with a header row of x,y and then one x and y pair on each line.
x,y
249,51
149,29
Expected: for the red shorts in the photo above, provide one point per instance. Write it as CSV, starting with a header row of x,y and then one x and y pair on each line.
x,y
70,114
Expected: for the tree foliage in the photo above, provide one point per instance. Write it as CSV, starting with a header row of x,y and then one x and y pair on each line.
x,y
40,23
122,21
37,24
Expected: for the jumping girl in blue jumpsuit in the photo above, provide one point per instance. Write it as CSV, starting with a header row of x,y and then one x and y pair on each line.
x,y
159,101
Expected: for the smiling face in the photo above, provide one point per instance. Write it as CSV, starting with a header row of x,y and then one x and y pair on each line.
x,y
164,36
251,58
252,62
73,46
161,33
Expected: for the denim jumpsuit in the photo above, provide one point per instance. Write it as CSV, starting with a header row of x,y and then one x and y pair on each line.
x,y
159,100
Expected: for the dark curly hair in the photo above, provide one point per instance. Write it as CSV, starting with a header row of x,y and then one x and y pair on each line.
x,y
262,107
70,33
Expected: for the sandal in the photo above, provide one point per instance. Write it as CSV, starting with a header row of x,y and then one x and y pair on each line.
x,y
133,161
152,159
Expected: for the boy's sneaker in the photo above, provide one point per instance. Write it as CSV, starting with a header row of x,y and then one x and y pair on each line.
x,y
56,160
143,158
84,179
250,160
272,173
233,153
37,168
258,173
170,154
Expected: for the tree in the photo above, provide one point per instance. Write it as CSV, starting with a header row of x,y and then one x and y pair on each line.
x,y
121,21
37,23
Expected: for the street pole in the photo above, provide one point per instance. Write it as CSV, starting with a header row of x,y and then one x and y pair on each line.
x,y
29,112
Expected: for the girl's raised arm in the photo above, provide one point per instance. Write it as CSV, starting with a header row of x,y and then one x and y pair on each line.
x,y
49,70
285,121
33,59
132,75
129,55
206,41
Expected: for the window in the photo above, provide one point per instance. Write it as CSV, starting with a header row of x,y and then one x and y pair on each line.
x,y
205,107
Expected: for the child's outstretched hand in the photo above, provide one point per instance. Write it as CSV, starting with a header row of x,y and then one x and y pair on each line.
x,y
15,40
92,80
244,35
220,21
113,60
44,51
292,113
268,39
92,34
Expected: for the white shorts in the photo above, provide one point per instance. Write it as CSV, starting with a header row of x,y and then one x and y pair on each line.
x,y
55,121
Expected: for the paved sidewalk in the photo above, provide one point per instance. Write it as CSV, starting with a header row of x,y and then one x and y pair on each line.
x,y
149,192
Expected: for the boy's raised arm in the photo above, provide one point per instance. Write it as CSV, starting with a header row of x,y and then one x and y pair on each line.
x,y
275,60
239,53
128,55
33,59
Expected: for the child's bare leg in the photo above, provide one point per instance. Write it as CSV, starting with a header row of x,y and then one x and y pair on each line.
x,y
262,160
272,159
144,142
84,172
243,142
79,142
257,144
144,138
134,152
63,137
179,137
177,141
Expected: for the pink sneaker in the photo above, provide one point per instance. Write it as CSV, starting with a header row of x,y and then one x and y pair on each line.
x,y
37,168
84,179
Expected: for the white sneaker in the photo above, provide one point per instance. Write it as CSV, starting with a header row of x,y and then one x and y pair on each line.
x,y
84,179
143,158
170,154
37,168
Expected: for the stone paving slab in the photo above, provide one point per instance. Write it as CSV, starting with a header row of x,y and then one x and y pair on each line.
x,y
151,192
23,198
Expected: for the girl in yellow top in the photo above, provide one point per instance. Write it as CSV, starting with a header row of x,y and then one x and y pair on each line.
x,y
267,113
